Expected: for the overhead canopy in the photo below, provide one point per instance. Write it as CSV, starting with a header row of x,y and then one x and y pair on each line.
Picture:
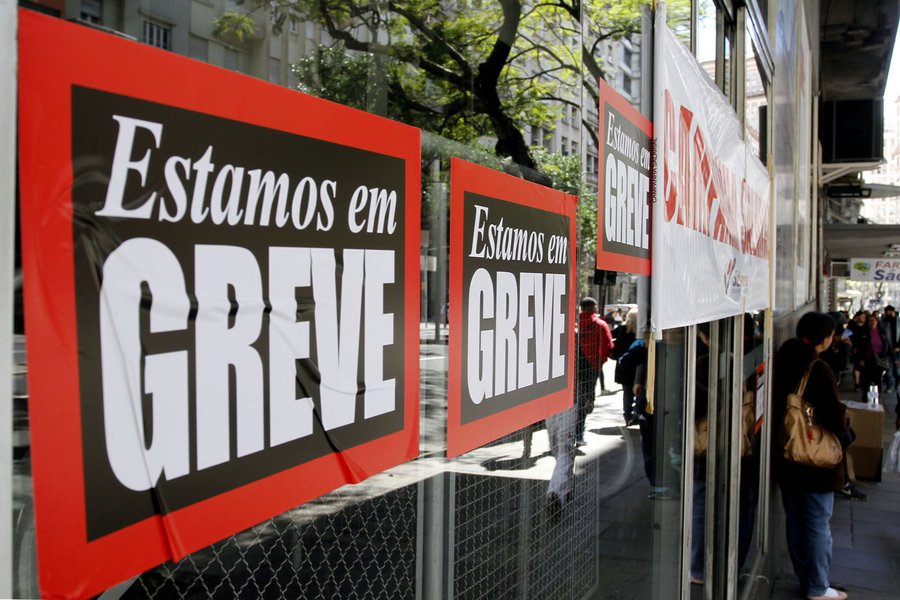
x,y
862,190
859,241
857,40
856,43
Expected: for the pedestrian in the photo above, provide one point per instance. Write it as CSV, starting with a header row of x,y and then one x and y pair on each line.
x,y
858,338
874,356
889,322
837,356
595,346
807,493
623,337
560,430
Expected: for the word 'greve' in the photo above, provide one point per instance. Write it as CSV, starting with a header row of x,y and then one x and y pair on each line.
x,y
224,342
310,200
498,359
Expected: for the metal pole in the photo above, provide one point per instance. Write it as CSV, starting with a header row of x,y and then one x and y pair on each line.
x,y
8,56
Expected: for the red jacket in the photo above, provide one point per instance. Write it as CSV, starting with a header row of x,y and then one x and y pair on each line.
x,y
594,339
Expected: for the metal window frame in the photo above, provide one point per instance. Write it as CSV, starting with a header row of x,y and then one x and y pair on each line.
x,y
8,77
157,35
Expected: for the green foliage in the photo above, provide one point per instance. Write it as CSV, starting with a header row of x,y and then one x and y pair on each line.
x,y
467,70
345,72
233,26
567,175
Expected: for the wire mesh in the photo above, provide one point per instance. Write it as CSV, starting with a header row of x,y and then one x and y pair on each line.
x,y
338,546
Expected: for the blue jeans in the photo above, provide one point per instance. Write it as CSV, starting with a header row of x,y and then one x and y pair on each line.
x,y
746,521
808,516
698,529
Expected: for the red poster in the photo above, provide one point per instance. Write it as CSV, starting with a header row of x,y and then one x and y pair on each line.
x,y
512,304
625,185
221,300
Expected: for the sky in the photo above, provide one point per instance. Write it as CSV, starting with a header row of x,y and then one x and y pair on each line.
x,y
892,89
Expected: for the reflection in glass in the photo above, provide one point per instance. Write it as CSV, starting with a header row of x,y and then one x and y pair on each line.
x,y
755,100
706,31
678,18
753,375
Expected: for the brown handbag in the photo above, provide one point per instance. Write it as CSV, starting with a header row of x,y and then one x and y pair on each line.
x,y
748,422
805,442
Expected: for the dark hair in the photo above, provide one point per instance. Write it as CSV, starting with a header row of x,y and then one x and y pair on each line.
x,y
889,308
588,302
814,327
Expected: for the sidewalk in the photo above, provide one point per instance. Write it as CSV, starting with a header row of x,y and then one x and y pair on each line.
x,y
866,555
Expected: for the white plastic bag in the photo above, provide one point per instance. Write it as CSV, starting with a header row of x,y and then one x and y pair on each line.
x,y
892,460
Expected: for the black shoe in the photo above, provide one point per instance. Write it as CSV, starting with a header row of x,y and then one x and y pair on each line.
x,y
850,492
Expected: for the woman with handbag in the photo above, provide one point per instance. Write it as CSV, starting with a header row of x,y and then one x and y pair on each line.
x,y
807,492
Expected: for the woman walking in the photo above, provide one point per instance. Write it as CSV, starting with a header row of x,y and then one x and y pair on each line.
x,y
808,492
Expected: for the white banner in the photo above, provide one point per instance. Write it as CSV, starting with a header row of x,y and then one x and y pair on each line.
x,y
874,269
711,213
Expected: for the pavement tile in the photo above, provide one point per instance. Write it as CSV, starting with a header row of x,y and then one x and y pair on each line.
x,y
881,544
864,561
859,578
889,529
871,514
842,539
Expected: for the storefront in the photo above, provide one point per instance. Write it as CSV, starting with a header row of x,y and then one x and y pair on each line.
x,y
355,320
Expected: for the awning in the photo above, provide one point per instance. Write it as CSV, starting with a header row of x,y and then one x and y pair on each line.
x,y
859,240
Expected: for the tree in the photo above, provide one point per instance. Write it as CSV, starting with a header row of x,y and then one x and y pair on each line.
x,y
469,70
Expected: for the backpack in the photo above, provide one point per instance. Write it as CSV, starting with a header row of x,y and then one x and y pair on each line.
x,y
627,364
622,340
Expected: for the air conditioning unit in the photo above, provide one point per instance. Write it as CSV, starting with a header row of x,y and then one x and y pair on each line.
x,y
852,130
839,268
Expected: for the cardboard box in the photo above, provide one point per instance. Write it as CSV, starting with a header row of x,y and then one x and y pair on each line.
x,y
864,463
865,454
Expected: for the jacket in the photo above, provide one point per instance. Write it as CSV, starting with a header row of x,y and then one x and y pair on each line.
x,y
594,339
792,361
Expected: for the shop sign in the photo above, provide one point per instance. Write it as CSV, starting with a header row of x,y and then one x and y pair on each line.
x,y
874,269
221,300
512,303
625,186
711,213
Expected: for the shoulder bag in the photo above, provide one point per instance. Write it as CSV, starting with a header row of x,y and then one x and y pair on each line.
x,y
805,442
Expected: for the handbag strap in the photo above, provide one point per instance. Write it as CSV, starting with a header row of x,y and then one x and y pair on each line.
x,y
802,387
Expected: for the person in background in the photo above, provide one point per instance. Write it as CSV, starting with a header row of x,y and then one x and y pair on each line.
x,y
875,355
837,356
623,337
857,329
889,322
807,493
595,345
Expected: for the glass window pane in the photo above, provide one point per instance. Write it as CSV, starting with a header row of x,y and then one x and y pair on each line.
x,y
678,18
198,48
274,70
92,11
232,59
755,104
706,31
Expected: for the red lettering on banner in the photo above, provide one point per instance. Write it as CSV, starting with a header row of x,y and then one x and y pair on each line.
x,y
703,194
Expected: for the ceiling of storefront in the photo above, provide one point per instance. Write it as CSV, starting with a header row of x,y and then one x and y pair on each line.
x,y
860,241
857,39
856,44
